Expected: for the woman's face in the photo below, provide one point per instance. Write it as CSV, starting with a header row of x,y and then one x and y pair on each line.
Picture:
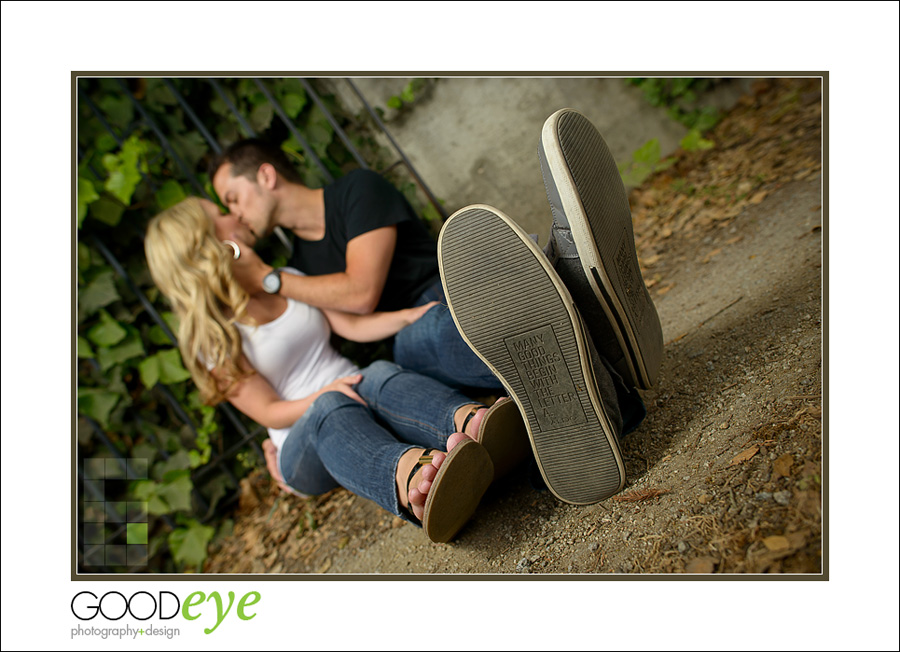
x,y
227,226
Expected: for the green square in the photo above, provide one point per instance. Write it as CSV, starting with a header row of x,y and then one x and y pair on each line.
x,y
137,533
95,468
115,468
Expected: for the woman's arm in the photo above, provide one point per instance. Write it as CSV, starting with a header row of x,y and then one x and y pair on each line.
x,y
376,326
255,397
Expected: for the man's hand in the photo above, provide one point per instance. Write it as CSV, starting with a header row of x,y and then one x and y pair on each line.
x,y
249,270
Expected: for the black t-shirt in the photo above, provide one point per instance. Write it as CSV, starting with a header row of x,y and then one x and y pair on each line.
x,y
358,203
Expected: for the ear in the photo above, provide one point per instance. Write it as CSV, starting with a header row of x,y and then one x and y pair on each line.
x,y
267,176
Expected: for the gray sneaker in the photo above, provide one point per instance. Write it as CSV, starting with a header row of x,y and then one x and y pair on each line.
x,y
514,312
592,246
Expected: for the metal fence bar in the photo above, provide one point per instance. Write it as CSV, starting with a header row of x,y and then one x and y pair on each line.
x,y
294,131
193,116
244,124
163,140
334,123
84,97
440,209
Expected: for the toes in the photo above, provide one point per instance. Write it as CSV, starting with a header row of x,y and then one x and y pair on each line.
x,y
429,472
455,439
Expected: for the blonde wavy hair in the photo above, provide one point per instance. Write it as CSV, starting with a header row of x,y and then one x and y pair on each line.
x,y
193,270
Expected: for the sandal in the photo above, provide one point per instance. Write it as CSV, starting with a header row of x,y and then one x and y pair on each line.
x,y
456,490
502,432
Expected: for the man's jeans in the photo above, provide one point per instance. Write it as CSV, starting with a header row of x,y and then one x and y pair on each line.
x,y
340,442
432,346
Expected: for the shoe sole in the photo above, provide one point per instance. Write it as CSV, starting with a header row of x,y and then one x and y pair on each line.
x,y
513,311
457,489
585,190
503,434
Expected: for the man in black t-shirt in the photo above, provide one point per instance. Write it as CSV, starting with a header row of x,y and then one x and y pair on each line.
x,y
361,246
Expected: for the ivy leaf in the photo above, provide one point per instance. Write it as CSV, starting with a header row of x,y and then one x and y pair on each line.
x,y
649,153
169,194
107,210
191,147
170,368
97,404
693,141
158,94
177,491
131,347
108,332
86,195
178,462
158,336
101,291
292,104
149,370
118,109
394,102
188,545
125,169
84,348
261,117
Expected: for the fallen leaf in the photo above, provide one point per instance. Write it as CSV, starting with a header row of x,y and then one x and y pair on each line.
x,y
758,197
735,239
705,498
663,289
709,256
781,468
650,261
776,543
324,567
700,565
746,455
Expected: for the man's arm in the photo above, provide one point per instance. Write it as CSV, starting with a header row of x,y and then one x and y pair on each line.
x,y
356,290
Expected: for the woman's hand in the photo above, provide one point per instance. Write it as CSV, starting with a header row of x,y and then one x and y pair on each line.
x,y
414,314
344,386
374,327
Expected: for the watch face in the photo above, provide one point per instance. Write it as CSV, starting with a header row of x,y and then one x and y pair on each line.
x,y
272,282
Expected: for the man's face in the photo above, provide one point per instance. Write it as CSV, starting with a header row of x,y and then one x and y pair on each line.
x,y
227,226
248,201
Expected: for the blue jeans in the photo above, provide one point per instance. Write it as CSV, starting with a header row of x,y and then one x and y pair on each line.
x,y
432,346
340,442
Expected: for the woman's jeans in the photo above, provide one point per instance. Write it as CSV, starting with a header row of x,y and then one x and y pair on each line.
x,y
340,442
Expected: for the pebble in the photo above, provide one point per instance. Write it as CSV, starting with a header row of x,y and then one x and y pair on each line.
x,y
682,546
764,495
782,497
523,565
595,547
710,366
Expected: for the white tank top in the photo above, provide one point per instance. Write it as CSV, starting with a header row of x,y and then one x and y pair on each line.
x,y
293,352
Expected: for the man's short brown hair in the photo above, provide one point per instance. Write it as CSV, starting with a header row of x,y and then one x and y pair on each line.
x,y
245,157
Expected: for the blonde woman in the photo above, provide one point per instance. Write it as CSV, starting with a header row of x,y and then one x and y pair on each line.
x,y
381,432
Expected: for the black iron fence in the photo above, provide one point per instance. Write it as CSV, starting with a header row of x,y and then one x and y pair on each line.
x,y
150,497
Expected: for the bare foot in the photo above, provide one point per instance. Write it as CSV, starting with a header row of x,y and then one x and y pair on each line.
x,y
418,493
473,428
271,454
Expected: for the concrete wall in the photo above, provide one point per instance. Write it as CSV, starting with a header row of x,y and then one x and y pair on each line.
x,y
474,140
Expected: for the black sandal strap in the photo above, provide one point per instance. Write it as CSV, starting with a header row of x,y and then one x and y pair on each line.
x,y
470,416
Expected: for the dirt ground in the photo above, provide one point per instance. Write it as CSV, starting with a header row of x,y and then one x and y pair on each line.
x,y
726,473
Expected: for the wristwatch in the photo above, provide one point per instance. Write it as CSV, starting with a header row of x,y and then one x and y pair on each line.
x,y
272,281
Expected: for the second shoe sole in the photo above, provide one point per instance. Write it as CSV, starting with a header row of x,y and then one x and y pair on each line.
x,y
513,311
